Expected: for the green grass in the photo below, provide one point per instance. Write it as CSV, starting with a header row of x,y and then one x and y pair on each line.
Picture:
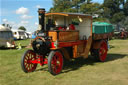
x,y
79,72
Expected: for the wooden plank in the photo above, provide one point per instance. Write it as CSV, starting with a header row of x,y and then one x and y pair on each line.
x,y
68,36
70,44
87,48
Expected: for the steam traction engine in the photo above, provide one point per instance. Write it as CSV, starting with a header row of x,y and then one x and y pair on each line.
x,y
59,39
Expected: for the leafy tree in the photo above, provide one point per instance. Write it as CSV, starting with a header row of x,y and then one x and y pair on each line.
x,y
117,17
22,28
126,8
113,9
67,5
117,12
90,8
60,5
76,4
3,24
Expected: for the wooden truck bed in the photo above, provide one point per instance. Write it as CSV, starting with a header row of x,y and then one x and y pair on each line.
x,y
102,30
102,36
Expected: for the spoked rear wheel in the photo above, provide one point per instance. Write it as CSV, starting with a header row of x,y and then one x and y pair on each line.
x,y
55,62
101,53
26,64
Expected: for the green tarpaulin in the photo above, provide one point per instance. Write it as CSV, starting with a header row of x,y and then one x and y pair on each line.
x,y
102,27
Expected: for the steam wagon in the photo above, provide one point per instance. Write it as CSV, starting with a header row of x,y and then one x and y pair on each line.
x,y
65,36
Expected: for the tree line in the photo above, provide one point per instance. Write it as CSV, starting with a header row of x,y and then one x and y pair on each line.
x,y
113,11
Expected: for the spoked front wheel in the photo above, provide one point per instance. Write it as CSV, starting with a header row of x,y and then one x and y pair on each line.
x,y
26,61
55,62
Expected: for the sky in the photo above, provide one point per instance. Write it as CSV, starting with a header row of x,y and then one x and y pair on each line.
x,y
24,12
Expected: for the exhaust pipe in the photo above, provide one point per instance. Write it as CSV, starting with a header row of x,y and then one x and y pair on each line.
x,y
41,12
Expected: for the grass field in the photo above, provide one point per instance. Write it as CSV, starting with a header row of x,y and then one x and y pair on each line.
x,y
79,72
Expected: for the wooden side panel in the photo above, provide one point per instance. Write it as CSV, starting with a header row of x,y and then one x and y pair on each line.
x,y
96,44
53,35
102,36
81,47
68,36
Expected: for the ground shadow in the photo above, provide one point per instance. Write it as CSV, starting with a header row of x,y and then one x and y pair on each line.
x,y
43,68
111,46
80,62
3,48
24,46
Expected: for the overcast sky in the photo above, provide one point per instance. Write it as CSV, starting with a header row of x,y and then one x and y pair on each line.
x,y
24,12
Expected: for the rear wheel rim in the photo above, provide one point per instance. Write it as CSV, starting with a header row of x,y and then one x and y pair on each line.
x,y
28,65
103,51
57,62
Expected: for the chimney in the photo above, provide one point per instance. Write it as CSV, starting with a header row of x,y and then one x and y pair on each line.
x,y
41,12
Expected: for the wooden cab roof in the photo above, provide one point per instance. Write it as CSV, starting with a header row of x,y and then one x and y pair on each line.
x,y
68,15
